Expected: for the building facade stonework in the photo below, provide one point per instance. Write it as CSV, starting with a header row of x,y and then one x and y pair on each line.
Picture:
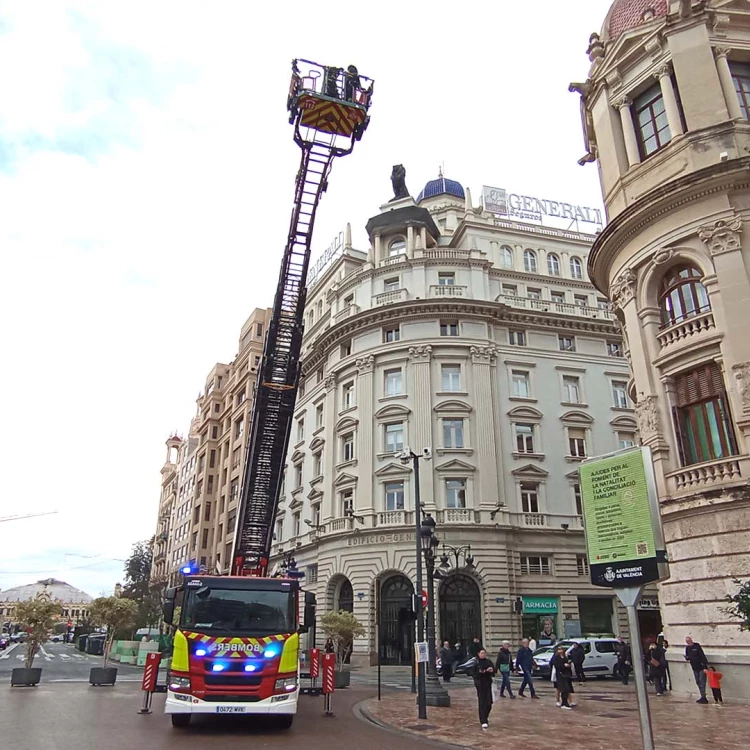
x,y
666,110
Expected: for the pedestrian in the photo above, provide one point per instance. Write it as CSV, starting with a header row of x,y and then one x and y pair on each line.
x,y
532,644
482,674
525,665
504,666
475,647
577,656
714,682
446,661
564,674
329,648
657,667
460,653
624,659
698,663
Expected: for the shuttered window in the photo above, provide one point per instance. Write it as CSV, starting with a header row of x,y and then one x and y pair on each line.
x,y
682,295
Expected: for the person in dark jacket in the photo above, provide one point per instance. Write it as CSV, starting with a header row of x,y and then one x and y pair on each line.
x,y
525,664
475,646
577,655
657,659
564,676
504,666
624,659
330,648
698,663
446,661
482,673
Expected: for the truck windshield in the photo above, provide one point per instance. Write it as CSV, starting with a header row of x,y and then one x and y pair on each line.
x,y
238,611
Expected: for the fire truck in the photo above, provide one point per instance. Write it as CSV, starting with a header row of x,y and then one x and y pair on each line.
x,y
236,637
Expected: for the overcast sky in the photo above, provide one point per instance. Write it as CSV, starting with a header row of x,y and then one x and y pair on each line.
x,y
146,176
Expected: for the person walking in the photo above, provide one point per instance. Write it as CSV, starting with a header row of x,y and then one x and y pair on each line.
x,y
698,663
504,667
525,665
657,667
714,682
532,644
446,661
577,656
624,659
564,673
482,673
475,647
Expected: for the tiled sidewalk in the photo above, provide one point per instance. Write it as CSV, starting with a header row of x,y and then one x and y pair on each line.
x,y
605,718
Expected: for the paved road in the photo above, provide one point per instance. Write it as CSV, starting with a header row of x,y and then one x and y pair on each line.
x,y
60,662
79,717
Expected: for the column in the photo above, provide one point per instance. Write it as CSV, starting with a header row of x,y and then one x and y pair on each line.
x,y
378,249
628,131
486,486
419,434
330,413
664,74
363,497
410,241
727,84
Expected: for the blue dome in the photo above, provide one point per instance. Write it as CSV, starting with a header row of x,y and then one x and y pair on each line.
x,y
441,186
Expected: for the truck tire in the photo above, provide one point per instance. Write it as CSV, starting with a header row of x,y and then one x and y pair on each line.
x,y
180,720
285,721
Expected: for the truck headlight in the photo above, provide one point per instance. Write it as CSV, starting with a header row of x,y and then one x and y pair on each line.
x,y
287,684
179,683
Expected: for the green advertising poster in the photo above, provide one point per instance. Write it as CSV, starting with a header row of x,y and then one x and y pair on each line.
x,y
617,516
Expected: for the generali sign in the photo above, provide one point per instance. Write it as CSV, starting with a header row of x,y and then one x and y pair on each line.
x,y
499,201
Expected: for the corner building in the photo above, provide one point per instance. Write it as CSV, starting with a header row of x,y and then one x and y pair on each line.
x,y
666,110
483,339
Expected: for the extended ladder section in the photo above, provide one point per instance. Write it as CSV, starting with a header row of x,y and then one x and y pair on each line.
x,y
276,387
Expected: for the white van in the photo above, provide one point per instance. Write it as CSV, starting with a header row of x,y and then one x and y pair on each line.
x,y
601,656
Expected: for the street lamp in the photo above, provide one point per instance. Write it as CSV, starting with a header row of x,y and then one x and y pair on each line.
x,y
436,694
456,553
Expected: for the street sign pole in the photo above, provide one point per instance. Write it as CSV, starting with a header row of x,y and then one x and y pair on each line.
x,y
630,596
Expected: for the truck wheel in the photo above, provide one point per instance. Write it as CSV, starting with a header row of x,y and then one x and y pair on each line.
x,y
286,721
180,720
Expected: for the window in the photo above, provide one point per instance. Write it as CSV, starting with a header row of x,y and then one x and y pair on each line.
x,y
517,338
581,300
210,485
231,520
319,375
602,303
300,429
521,386
391,335
311,575
346,348
397,247
577,499
234,490
236,457
347,502
207,514
566,343
582,565
393,382
301,387
448,328
682,295
620,394
394,437
557,297
510,290
239,428
391,285
614,349
651,124
450,377
201,462
577,442
347,446
296,524
701,414
446,279
741,78
524,438
625,439
318,416
576,268
212,460
297,476
506,257
394,496
259,329
348,395
529,497
455,493
279,530
535,566
317,464
529,261
204,539
214,432
553,264
533,293
453,433
315,514
571,389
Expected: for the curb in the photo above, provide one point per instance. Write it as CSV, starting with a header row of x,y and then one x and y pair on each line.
x,y
361,711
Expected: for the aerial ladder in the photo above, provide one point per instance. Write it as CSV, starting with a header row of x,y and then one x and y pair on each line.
x,y
328,107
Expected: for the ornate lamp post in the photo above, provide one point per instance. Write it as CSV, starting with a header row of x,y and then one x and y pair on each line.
x,y
457,553
437,695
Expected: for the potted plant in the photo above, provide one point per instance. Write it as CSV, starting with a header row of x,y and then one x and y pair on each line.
x,y
342,627
112,613
38,617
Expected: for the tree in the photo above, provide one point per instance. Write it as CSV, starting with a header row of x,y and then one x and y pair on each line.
x,y
139,586
37,616
740,602
343,627
112,613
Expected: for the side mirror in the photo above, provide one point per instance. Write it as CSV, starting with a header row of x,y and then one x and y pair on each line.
x,y
168,612
308,621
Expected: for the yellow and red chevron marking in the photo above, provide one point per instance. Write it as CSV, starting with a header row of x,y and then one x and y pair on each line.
x,y
209,640
330,116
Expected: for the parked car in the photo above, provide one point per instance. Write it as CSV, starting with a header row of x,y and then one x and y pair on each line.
x,y
600,660
19,637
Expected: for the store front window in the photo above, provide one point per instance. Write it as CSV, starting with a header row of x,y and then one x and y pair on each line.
x,y
540,619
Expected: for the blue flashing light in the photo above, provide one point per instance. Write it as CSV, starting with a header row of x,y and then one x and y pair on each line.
x,y
270,652
200,651
218,667
250,667
186,570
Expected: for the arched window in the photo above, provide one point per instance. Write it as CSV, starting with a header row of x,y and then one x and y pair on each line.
x,y
682,295
553,264
506,257
529,261
397,247
576,268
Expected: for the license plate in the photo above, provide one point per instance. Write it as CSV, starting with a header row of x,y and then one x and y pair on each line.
x,y
230,709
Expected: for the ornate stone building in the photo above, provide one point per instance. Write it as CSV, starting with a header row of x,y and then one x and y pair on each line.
x,y
666,110
73,602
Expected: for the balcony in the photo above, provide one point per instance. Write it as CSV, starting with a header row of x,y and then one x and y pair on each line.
x,y
447,290
338,524
393,518
562,308
444,253
534,519
347,312
699,477
686,329
457,515
389,298
393,260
